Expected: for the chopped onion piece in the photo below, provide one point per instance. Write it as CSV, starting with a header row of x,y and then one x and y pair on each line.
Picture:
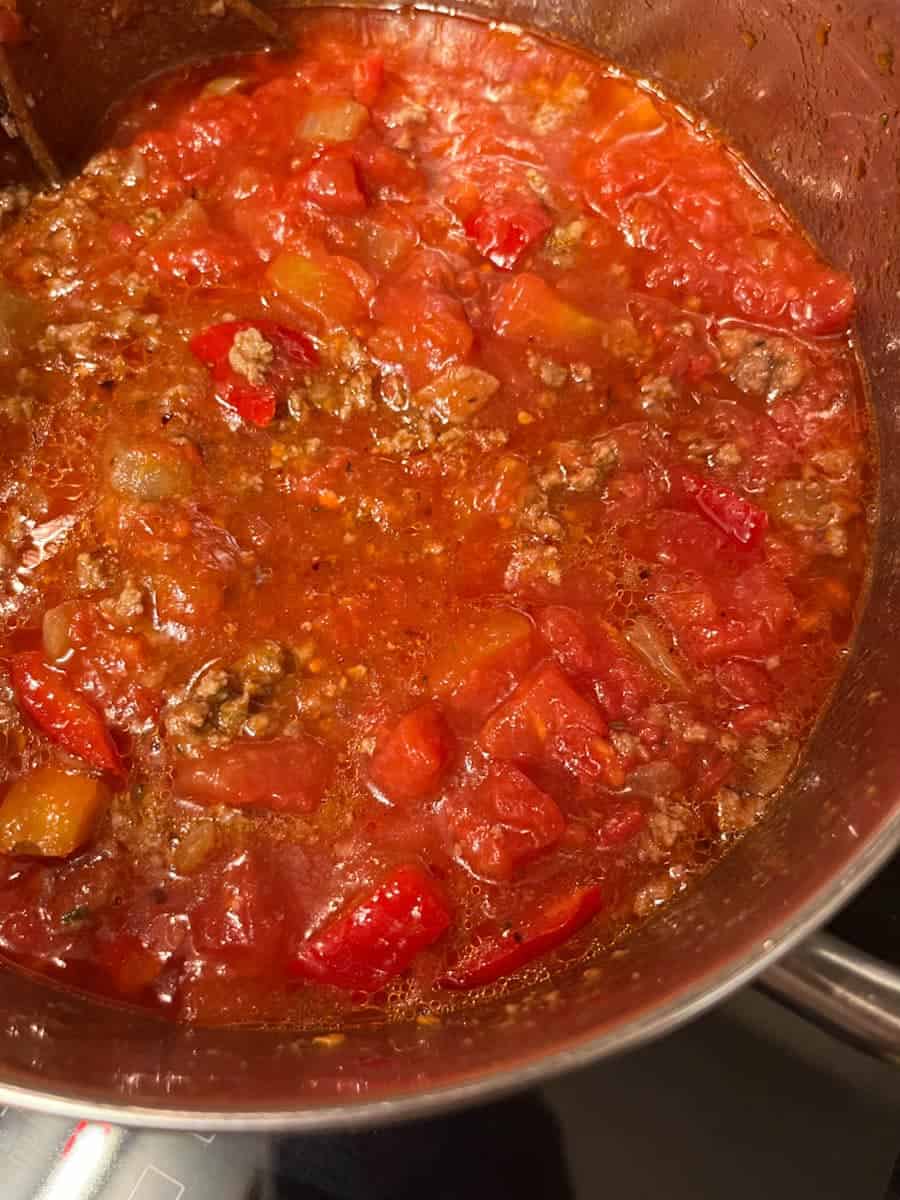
x,y
55,631
224,85
644,636
333,120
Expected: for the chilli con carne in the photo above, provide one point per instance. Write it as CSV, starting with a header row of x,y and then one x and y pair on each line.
x,y
433,513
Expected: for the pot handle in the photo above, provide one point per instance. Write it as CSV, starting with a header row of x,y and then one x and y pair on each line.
x,y
843,990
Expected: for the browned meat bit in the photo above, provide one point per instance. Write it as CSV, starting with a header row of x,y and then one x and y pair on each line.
x,y
578,467
561,246
539,185
762,364
817,509
91,571
531,564
555,375
551,374
559,105
456,395
536,518
13,200
225,702
838,464
127,607
343,383
251,355
94,347
669,823
654,397
736,811
728,455
406,441
653,895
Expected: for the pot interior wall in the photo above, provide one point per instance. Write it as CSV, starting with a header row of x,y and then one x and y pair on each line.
x,y
808,93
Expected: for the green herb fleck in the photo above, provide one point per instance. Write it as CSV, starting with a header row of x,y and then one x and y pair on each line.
x,y
81,913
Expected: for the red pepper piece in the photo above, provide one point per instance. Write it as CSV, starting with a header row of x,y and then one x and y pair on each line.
x,y
734,515
46,695
503,232
512,949
378,937
256,403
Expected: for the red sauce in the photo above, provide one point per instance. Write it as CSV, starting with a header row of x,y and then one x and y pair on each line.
x,y
434,509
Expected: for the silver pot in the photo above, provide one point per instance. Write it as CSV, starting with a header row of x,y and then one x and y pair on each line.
x,y
810,93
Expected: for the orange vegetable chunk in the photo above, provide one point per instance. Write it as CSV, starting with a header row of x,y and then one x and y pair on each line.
x,y
50,812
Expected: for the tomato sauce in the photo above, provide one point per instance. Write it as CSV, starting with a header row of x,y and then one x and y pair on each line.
x,y
434,509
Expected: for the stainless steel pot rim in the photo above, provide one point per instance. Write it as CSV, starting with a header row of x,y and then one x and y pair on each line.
x,y
817,121
679,1008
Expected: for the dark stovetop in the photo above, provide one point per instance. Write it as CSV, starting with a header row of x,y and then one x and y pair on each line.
x,y
872,920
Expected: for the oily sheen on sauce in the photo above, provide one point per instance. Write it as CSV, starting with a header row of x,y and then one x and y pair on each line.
x,y
434,510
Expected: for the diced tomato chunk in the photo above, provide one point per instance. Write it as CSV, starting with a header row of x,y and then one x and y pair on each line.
x,y
544,930
283,774
410,756
237,915
481,666
745,682
332,183
547,724
746,617
594,652
528,309
386,173
497,826
329,287
12,27
504,232
377,937
421,329
107,665
368,79
621,825
622,685
734,515
683,540
46,695
208,258
565,632
707,235
131,966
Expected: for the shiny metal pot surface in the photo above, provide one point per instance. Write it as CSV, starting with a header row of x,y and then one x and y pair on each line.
x,y
810,93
